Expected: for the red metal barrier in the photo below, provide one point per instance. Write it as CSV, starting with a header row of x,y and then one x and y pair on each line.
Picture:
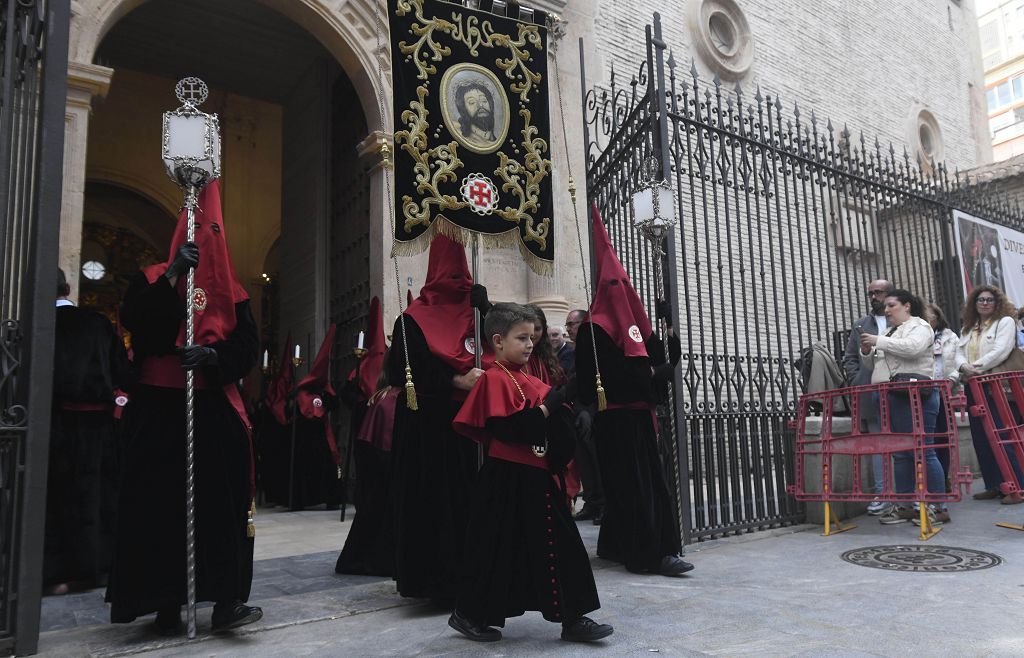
x,y
1003,394
821,451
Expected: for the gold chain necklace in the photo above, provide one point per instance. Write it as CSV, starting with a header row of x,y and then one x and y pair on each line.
x,y
537,450
513,378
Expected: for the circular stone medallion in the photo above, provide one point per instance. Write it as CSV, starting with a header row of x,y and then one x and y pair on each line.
x,y
936,559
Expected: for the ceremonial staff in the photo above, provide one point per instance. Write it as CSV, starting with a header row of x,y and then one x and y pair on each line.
x,y
191,154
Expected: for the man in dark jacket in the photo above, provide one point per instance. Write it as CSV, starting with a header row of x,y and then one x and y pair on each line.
x,y
874,324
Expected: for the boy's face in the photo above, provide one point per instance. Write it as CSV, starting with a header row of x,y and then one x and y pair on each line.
x,y
515,346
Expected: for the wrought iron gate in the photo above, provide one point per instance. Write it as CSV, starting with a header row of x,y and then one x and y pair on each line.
x,y
33,89
783,220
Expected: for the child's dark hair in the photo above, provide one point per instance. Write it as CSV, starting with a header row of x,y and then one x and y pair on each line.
x,y
502,317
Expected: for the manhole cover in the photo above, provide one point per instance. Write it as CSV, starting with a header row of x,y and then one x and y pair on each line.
x,y
939,559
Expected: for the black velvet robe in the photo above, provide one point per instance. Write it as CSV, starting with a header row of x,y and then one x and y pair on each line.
x,y
523,550
84,466
639,526
149,559
272,444
370,546
434,472
313,477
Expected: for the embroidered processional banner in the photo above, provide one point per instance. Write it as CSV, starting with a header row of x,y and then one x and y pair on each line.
x,y
471,128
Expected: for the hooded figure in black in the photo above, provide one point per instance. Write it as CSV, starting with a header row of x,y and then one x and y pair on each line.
x,y
149,571
639,528
434,468
89,364
315,474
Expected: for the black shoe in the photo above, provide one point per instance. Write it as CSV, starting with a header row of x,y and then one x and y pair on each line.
x,y
672,565
588,512
599,516
472,630
585,629
168,622
234,614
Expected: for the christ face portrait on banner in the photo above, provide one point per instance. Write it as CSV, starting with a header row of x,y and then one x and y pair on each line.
x,y
474,107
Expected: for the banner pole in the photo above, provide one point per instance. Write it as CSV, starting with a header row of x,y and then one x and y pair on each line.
x,y
190,481
477,331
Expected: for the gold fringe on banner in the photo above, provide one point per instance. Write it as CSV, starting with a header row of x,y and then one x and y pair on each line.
x,y
443,226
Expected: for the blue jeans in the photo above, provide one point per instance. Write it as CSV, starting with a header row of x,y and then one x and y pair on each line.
x,y
874,426
900,420
983,449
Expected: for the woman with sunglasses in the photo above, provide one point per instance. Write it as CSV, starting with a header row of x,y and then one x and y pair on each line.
x,y
989,335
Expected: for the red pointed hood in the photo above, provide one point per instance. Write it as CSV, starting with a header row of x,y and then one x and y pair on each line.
x,y
617,307
373,360
217,288
319,377
277,392
442,310
317,384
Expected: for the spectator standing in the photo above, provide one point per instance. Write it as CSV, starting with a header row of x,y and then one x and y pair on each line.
x,y
989,335
944,353
872,324
565,352
906,349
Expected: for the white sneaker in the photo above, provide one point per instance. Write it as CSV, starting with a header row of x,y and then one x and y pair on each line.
x,y
878,507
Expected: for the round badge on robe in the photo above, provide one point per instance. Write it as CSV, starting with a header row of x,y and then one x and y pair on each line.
x,y
634,333
317,402
121,400
199,300
470,345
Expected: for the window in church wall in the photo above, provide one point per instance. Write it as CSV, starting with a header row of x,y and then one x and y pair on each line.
x,y
722,37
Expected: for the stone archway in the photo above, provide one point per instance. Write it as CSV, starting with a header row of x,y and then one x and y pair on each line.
x,y
347,32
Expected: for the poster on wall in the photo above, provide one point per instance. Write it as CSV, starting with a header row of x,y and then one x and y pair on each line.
x,y
990,255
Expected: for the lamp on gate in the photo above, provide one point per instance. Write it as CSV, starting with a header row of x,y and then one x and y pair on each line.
x,y
191,138
653,209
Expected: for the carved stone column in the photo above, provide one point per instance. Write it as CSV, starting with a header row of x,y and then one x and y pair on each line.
x,y
85,81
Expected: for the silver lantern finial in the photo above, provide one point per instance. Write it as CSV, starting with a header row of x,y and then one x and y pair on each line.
x,y
191,138
653,207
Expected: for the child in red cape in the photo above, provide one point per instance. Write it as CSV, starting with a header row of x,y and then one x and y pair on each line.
x,y
523,551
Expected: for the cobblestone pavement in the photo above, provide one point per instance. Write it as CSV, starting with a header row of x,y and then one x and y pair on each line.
x,y
784,592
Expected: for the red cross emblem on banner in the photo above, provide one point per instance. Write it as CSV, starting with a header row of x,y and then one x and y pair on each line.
x,y
480,193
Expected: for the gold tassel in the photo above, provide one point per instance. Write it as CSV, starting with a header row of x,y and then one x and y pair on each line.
x,y
410,390
250,524
602,399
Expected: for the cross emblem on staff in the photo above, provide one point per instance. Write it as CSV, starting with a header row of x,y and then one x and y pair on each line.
x,y
191,91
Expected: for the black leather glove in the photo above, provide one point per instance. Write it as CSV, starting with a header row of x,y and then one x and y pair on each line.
x,y
478,298
663,310
195,356
555,399
186,258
